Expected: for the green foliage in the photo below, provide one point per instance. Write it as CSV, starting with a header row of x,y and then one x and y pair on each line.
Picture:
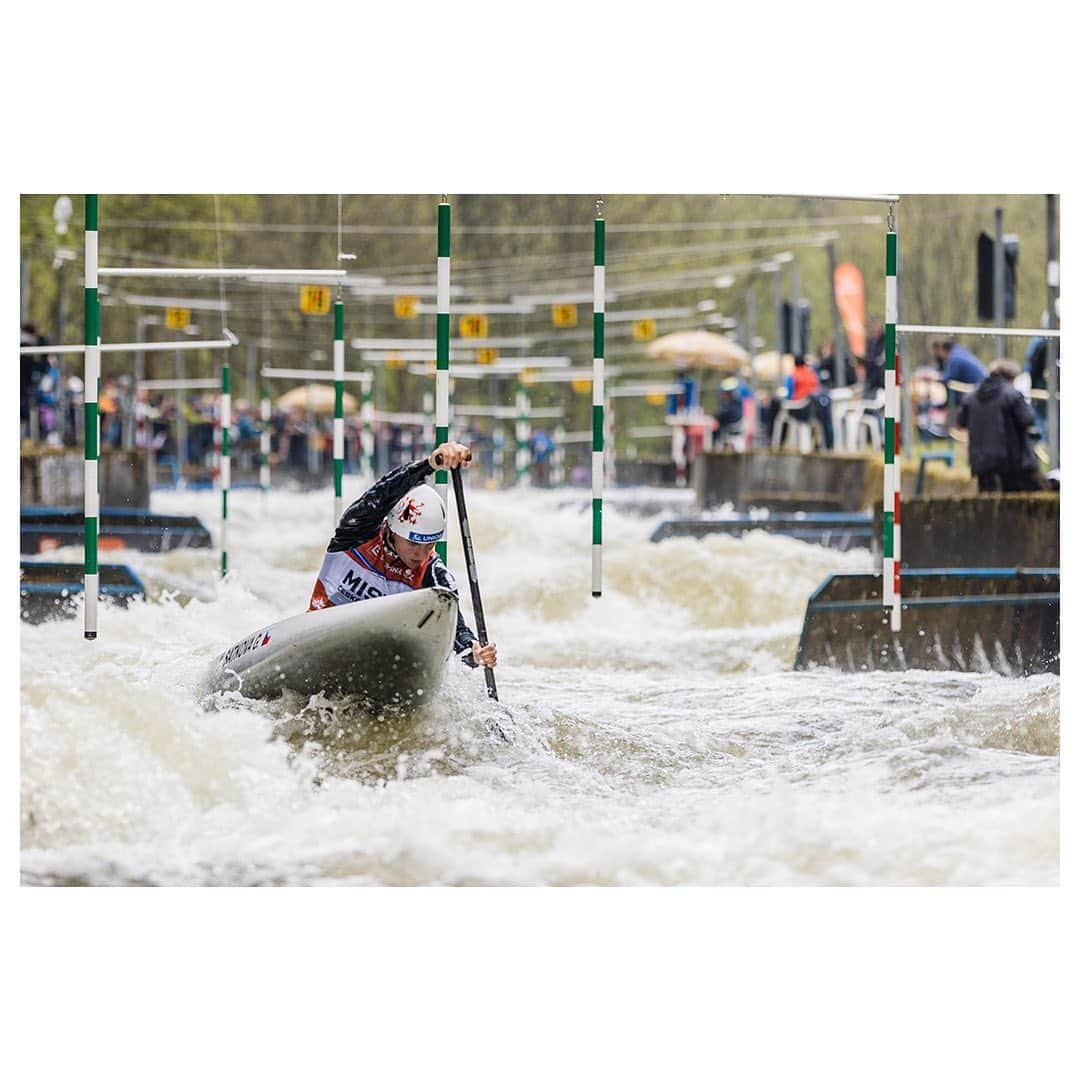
x,y
505,244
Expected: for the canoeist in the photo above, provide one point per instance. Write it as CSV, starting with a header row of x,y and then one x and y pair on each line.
x,y
385,543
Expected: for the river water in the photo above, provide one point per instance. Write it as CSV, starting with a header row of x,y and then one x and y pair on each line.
x,y
659,734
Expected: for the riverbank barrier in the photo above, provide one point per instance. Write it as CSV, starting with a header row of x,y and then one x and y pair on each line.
x,y
54,476
982,620
840,531
788,480
1022,529
48,590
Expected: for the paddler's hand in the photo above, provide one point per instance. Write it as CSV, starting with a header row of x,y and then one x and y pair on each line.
x,y
449,456
484,655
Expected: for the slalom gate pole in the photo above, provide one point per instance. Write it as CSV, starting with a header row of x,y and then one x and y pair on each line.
x,y
890,577
226,463
339,405
442,349
598,402
91,375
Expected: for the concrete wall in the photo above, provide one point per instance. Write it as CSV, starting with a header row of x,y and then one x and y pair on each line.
x,y
1008,623
658,472
790,480
54,477
979,530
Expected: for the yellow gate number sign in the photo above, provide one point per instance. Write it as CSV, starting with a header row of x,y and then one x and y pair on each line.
x,y
644,329
473,326
177,318
564,315
405,306
315,300
487,356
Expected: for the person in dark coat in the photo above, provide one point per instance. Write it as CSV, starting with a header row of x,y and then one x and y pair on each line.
x,y
1000,427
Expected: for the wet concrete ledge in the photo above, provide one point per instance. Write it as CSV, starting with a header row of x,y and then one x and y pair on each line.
x,y
994,619
47,590
53,476
788,480
978,530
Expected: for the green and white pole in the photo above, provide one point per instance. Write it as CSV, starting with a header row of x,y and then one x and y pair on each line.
x,y
598,402
91,375
264,441
226,463
339,406
442,350
890,578
522,433
367,437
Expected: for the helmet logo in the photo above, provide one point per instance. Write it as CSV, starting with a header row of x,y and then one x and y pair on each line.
x,y
410,512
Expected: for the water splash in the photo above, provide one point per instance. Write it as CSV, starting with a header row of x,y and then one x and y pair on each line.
x,y
659,735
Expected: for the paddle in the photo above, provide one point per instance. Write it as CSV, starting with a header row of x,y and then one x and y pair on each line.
x,y
470,563
474,585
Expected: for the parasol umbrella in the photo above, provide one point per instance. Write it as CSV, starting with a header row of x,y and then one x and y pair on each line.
x,y
771,367
315,397
698,349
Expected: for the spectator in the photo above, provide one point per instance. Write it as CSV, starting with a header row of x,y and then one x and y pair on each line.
x,y
955,363
874,363
72,404
48,401
686,398
827,366
109,411
542,446
803,384
1035,365
31,370
1000,427
731,414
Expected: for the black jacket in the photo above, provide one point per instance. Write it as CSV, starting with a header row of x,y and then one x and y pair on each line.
x,y
998,418
363,519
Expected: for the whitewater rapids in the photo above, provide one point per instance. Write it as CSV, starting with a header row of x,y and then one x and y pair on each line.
x,y
660,735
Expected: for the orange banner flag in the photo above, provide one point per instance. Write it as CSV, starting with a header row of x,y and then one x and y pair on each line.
x,y
851,303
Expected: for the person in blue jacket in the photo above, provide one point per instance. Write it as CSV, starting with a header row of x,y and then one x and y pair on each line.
x,y
956,364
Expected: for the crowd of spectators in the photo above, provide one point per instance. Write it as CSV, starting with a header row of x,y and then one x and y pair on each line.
x,y
955,393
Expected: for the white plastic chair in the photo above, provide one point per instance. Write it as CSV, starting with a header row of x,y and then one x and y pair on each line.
x,y
794,431
862,424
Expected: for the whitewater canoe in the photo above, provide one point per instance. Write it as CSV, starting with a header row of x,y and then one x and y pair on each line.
x,y
389,650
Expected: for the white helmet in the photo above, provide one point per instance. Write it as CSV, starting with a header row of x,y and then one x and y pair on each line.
x,y
419,515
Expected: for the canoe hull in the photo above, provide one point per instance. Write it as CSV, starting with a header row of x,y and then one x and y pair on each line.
x,y
391,651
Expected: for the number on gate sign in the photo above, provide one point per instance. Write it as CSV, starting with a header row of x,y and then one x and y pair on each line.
x,y
473,326
564,315
315,300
